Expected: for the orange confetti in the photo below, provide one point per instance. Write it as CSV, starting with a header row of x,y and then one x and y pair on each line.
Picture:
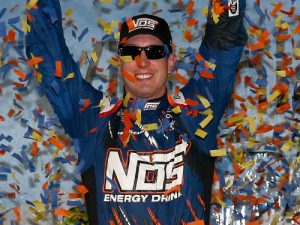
x,y
18,97
190,7
82,189
237,97
62,212
264,128
128,76
188,35
297,29
57,143
34,61
86,104
17,213
75,195
207,74
283,108
276,9
130,23
196,222
58,68
35,149
181,79
45,185
20,74
192,22
191,102
11,36
10,113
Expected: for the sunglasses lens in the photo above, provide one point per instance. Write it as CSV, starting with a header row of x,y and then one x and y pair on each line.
x,y
155,52
132,51
152,52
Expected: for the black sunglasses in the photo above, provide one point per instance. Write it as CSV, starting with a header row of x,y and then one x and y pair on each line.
x,y
152,51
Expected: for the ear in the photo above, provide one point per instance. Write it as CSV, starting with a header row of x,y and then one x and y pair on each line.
x,y
171,62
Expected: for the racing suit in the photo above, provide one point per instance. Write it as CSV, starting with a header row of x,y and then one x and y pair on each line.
x,y
137,174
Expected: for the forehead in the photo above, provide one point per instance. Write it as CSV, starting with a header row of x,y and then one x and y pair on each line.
x,y
144,39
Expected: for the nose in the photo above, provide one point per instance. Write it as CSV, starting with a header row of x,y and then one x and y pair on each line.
x,y
143,60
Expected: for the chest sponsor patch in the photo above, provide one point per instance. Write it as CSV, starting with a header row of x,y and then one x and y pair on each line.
x,y
144,174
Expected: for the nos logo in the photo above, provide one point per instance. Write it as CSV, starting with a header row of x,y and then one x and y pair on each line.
x,y
144,23
142,172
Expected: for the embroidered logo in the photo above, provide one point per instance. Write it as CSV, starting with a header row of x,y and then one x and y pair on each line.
x,y
151,106
233,8
144,23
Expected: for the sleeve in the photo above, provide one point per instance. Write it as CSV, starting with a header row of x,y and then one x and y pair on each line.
x,y
71,97
222,46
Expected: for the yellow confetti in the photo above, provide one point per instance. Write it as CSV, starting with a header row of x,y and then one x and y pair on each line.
x,y
126,58
298,159
275,219
68,12
204,11
287,146
218,152
278,21
40,77
121,2
25,25
39,205
204,101
113,63
176,110
220,201
69,76
126,99
94,56
281,73
36,136
251,142
296,52
105,1
150,126
235,119
138,117
31,3
261,91
117,35
215,16
251,122
200,133
210,65
284,26
247,164
274,95
206,121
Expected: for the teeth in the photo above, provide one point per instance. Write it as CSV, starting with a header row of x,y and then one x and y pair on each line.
x,y
143,76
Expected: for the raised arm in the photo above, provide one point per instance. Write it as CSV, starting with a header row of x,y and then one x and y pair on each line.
x,y
222,46
70,95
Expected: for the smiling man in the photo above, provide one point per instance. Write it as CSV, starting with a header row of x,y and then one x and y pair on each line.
x,y
145,158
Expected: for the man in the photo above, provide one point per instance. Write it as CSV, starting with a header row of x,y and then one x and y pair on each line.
x,y
144,158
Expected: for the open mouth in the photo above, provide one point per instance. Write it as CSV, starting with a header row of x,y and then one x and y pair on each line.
x,y
143,76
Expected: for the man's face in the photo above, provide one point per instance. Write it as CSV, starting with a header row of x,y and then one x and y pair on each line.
x,y
150,74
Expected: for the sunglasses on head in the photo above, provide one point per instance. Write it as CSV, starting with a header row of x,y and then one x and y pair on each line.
x,y
152,51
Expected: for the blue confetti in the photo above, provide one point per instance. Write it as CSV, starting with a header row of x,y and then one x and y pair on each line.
x,y
2,29
14,20
83,33
2,12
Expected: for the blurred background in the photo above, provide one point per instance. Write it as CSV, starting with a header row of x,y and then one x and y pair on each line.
x,y
256,180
